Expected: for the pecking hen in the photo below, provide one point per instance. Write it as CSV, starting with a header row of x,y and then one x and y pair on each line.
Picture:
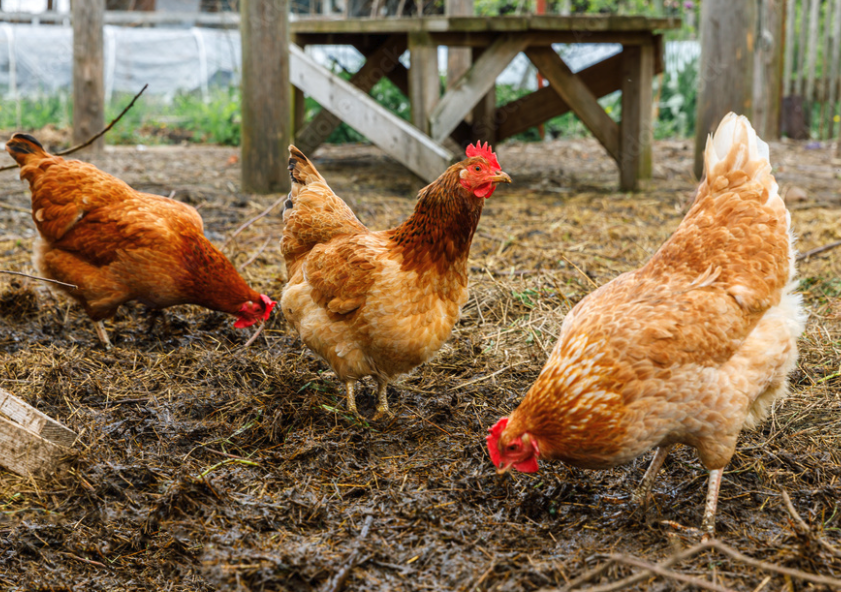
x,y
381,303
117,244
689,349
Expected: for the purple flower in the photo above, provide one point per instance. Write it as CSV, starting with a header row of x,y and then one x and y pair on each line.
x,y
689,5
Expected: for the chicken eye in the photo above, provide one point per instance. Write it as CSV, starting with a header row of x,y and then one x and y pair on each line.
x,y
512,447
477,168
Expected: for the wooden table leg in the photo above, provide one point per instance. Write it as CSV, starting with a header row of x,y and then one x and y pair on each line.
x,y
424,79
630,145
484,113
646,109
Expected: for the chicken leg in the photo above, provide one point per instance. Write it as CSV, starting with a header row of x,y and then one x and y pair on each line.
x,y
351,397
643,492
102,334
708,525
382,396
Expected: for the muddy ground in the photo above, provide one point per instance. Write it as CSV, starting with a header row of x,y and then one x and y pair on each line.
x,y
202,465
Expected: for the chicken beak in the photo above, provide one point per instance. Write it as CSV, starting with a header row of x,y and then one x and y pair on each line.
x,y
504,469
500,177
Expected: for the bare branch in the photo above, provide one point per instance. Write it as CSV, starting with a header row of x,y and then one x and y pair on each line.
x,y
43,279
93,138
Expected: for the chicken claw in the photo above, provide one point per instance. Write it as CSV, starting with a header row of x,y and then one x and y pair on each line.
x,y
102,334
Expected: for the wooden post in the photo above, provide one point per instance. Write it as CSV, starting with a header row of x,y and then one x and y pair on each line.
x,y
266,95
790,23
88,63
814,13
728,35
768,70
646,99
836,63
484,113
458,58
629,129
424,80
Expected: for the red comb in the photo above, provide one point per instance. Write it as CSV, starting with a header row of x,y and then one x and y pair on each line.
x,y
485,152
493,438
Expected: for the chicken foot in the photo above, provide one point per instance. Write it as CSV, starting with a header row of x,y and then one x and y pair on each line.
x,y
708,525
102,334
351,397
642,494
382,406
382,396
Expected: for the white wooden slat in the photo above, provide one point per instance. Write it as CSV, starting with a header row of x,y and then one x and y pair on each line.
x,y
473,85
397,137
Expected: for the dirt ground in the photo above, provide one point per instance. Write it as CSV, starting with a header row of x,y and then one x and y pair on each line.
x,y
202,465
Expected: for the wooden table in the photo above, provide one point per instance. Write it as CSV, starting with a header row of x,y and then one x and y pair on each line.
x,y
467,111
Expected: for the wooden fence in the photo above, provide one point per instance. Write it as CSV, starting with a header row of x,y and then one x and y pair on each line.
x,y
811,67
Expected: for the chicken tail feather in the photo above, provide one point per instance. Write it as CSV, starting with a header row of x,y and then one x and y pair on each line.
x,y
24,148
302,171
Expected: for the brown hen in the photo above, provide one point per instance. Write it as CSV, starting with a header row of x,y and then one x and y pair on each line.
x,y
689,349
380,303
116,244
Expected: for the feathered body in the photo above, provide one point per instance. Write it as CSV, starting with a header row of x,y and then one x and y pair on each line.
x,y
379,303
690,348
117,244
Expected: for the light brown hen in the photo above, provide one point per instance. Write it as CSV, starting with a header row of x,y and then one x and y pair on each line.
x,y
689,349
381,303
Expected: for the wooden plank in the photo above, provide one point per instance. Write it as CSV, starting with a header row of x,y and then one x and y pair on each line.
x,y
728,35
88,78
458,59
768,70
424,79
526,112
629,142
398,138
577,95
26,453
788,61
37,422
483,117
379,62
266,95
646,132
580,24
475,83
484,39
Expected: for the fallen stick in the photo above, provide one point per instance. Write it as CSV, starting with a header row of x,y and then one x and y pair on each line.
x,y
631,580
665,573
804,529
245,225
341,576
817,250
43,279
93,138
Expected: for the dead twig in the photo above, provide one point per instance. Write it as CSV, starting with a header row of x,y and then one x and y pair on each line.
x,y
43,279
245,225
787,571
665,573
817,250
254,337
338,581
93,138
804,529
630,580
